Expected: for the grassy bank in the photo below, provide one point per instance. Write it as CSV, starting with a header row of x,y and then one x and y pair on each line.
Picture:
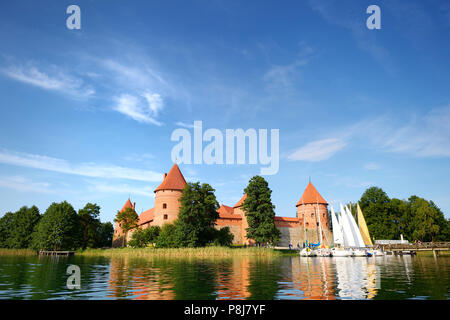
x,y
17,252
182,252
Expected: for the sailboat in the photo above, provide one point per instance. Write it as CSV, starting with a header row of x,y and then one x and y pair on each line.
x,y
359,243
365,233
338,237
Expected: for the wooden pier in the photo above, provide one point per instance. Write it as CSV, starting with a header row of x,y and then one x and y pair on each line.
x,y
412,248
56,253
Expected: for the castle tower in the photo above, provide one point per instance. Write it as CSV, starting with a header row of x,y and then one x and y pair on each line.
x,y
237,209
310,205
118,232
167,196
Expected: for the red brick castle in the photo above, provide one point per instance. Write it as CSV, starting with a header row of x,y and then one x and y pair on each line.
x,y
311,208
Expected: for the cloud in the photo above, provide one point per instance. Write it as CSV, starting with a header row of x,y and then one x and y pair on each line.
x,y
317,150
121,189
54,79
281,76
133,107
372,166
423,135
155,103
83,169
139,157
23,184
185,125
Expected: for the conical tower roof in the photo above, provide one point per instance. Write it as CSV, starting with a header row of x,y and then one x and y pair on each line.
x,y
127,205
240,202
311,195
173,181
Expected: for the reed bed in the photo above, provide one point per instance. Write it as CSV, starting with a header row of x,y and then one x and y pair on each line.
x,y
17,252
206,252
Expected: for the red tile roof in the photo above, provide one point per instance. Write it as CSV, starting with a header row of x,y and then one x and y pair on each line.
x,y
229,216
223,209
173,181
127,205
293,219
311,195
146,216
240,202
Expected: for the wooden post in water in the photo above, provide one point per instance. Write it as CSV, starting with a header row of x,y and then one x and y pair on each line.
x,y
435,253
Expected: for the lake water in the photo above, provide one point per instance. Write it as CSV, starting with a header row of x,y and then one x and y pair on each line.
x,y
388,277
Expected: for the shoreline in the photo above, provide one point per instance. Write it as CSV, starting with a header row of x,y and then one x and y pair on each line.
x,y
201,252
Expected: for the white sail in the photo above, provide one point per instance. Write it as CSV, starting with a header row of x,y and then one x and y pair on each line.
x,y
359,242
337,229
349,240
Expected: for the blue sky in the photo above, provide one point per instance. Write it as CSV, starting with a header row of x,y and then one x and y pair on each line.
x,y
86,115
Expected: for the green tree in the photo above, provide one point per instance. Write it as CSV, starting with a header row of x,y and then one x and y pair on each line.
x,y
127,220
107,232
375,205
24,223
425,221
89,219
167,237
58,229
6,225
198,215
223,237
144,237
260,212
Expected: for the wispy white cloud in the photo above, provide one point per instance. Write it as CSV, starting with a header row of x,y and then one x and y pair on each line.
x,y
372,166
317,150
155,102
101,187
281,76
134,108
185,125
422,135
53,79
83,169
139,157
22,184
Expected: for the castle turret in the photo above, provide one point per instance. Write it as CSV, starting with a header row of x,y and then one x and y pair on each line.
x,y
118,232
167,196
237,209
310,206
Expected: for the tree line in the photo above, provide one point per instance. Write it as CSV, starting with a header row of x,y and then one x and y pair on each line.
x,y
59,228
195,225
416,219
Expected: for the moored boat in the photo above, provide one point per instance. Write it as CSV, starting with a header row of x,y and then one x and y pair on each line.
x,y
340,252
308,252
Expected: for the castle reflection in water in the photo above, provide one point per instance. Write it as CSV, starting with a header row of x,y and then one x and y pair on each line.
x,y
244,278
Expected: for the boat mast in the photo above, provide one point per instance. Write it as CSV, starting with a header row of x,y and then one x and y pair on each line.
x,y
304,227
320,225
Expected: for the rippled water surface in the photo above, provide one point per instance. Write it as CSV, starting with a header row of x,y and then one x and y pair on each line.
x,y
389,277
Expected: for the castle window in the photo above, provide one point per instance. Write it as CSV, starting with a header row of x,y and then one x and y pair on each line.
x,y
307,224
317,224
312,215
164,205
165,217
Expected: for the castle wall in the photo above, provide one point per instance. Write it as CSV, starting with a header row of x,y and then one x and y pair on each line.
x,y
235,230
296,236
